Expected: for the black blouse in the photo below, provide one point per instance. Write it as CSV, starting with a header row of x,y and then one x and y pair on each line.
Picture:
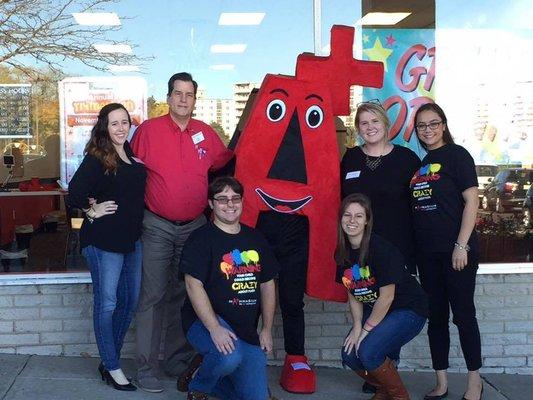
x,y
117,232
388,189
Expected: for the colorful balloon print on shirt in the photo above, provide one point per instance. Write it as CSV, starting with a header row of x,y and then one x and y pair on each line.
x,y
239,262
354,274
360,283
426,173
225,268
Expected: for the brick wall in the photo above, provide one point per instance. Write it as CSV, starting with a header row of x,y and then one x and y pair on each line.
x,y
56,320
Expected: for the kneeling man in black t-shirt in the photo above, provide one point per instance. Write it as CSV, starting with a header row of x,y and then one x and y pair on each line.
x,y
229,275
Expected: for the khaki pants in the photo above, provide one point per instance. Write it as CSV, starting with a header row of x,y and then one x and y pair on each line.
x,y
162,295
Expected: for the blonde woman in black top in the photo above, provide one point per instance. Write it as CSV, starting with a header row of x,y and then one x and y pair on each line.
x,y
382,171
109,187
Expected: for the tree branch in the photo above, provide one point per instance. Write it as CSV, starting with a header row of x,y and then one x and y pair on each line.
x,y
46,31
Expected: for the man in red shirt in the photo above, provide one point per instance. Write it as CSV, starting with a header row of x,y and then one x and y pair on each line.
x,y
178,152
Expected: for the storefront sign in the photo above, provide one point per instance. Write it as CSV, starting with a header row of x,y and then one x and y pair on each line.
x,y
409,59
15,111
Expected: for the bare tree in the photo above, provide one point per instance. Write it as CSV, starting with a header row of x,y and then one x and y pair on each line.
x,y
46,31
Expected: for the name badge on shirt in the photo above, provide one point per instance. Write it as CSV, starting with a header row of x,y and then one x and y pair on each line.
x,y
198,137
353,174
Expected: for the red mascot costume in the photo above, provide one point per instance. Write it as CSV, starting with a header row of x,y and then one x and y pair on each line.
x,y
288,161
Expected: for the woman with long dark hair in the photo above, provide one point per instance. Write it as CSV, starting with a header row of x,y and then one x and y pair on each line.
x,y
109,187
387,304
445,202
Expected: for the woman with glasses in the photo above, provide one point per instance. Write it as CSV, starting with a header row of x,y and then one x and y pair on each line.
x,y
382,171
109,187
445,201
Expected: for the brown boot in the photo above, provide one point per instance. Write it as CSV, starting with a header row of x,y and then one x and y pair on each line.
x,y
192,395
388,378
380,394
186,376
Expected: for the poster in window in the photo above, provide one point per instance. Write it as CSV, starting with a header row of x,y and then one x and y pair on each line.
x,y
80,102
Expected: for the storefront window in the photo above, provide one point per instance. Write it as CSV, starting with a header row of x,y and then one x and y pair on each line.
x,y
52,87
486,85
481,78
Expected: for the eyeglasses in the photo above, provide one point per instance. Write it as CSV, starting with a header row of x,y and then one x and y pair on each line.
x,y
371,101
432,125
226,200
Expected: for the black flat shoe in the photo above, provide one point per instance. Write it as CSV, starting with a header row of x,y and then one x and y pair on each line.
x,y
129,387
480,394
436,397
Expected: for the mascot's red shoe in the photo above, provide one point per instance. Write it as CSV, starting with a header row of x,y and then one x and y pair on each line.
x,y
297,376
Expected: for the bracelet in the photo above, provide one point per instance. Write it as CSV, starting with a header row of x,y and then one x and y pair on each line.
x,y
366,330
369,324
466,247
90,214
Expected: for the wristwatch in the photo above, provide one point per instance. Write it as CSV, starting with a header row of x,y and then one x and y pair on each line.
x,y
466,247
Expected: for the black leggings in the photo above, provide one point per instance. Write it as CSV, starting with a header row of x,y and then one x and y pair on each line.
x,y
447,287
288,234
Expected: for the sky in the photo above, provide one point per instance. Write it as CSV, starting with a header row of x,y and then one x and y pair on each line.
x,y
178,34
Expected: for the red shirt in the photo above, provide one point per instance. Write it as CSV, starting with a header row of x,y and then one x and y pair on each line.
x,y
177,163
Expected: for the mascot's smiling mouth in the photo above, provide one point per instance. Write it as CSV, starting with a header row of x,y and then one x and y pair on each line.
x,y
281,205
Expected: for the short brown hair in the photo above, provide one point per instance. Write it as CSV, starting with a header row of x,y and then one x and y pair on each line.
x,y
220,183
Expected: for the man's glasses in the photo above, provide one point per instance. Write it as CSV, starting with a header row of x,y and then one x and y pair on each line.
x,y
226,200
432,125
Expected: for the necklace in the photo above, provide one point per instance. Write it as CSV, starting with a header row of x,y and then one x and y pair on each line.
x,y
372,164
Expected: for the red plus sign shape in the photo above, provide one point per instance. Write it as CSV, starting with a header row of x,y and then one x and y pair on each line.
x,y
340,70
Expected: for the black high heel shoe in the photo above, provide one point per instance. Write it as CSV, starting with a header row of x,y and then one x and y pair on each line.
x,y
101,369
436,396
129,387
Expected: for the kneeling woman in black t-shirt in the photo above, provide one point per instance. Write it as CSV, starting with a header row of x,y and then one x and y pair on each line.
x,y
388,306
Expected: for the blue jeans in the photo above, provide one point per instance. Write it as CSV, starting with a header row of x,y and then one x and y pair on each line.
x,y
116,285
396,329
240,375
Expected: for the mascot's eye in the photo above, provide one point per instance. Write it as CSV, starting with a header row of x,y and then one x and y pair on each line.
x,y
314,116
276,110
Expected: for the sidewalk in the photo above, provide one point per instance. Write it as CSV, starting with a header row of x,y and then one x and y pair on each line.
x,y
76,378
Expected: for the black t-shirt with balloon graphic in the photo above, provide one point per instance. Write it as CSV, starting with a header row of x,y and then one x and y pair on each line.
x,y
385,265
231,268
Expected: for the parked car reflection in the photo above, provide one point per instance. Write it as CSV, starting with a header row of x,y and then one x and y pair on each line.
x,y
507,191
485,174
527,208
